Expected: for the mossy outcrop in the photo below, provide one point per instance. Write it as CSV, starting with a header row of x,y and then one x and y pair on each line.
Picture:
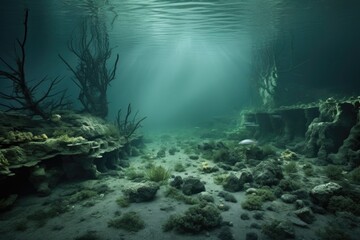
x,y
39,152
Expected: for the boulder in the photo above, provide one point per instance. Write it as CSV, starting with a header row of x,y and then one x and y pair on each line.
x,y
192,185
322,193
141,192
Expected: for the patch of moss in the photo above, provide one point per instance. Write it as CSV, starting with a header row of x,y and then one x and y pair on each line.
x,y
278,230
90,235
334,172
343,204
133,174
355,175
161,153
195,220
179,167
219,179
81,196
130,221
252,202
290,167
333,232
255,200
308,170
123,201
157,174
289,184
176,194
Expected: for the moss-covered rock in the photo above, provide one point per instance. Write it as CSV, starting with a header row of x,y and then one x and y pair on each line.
x,y
195,220
130,221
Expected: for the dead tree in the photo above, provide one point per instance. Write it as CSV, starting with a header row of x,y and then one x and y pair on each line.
x,y
22,96
91,74
127,127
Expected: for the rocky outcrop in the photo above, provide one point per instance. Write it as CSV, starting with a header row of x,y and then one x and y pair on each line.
x,y
268,173
141,192
75,145
322,193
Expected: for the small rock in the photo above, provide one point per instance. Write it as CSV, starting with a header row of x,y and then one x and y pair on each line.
x,y
194,157
176,182
288,198
244,216
305,214
192,185
227,196
141,192
251,236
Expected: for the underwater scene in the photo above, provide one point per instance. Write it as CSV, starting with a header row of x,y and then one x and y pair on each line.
x,y
164,119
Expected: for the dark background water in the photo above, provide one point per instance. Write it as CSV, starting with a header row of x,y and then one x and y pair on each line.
x,y
188,61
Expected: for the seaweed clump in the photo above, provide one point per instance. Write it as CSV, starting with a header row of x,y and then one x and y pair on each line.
x,y
130,221
195,220
157,174
254,201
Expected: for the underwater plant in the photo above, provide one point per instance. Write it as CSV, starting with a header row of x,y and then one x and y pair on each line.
x,y
196,219
179,167
157,174
176,194
255,200
127,127
129,221
278,230
290,167
333,172
123,201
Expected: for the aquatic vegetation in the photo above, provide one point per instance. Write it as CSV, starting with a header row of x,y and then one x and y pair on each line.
x,y
219,179
179,167
123,201
63,131
89,235
195,220
333,231
308,170
173,150
254,201
127,127
354,175
176,194
226,234
161,153
157,174
207,168
333,172
288,184
278,230
343,204
133,174
82,195
129,221
291,167
288,155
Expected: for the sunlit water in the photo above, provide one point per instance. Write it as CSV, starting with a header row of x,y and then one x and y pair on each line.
x,y
178,59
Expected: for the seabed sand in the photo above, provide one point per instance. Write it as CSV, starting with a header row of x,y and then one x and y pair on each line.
x,y
93,218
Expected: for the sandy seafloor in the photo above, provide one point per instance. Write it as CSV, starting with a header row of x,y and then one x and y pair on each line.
x,y
93,218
